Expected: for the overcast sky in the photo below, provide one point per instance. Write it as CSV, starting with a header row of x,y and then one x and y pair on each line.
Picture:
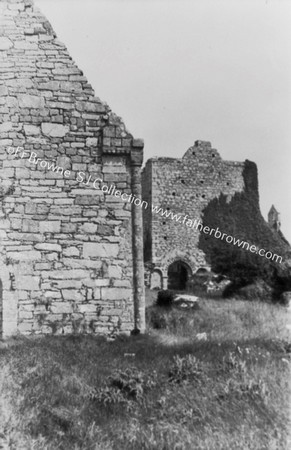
x,y
181,70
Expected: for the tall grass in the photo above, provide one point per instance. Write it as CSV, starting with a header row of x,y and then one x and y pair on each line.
x,y
160,391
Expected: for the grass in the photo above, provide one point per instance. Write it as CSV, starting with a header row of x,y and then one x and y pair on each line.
x,y
163,390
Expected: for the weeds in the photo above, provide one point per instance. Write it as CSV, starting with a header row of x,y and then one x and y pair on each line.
x,y
80,392
124,386
185,369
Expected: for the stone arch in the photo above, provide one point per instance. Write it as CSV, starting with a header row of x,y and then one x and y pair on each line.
x,y
156,279
179,274
177,256
202,271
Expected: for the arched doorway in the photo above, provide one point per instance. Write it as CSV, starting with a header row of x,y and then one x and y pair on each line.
x,y
156,280
178,275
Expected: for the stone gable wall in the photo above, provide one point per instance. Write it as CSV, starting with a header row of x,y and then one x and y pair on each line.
x,y
184,186
66,259
215,193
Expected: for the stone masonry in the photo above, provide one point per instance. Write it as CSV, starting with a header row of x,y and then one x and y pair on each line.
x,y
189,185
71,256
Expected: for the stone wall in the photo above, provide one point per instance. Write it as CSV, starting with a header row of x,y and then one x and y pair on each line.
x,y
66,260
188,186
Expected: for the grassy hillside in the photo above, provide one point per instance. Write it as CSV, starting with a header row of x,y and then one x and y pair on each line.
x,y
169,389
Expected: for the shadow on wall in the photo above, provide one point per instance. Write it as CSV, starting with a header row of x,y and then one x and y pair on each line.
x,y
241,218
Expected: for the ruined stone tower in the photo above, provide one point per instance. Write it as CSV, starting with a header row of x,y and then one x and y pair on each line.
x,y
71,247
274,218
199,187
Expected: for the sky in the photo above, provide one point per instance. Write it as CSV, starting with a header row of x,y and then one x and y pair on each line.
x,y
178,71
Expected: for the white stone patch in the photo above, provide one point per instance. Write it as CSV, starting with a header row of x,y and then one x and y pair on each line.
x,y
186,301
100,250
25,45
24,256
30,101
5,127
54,129
5,43
3,91
49,247
91,142
201,337
64,162
31,130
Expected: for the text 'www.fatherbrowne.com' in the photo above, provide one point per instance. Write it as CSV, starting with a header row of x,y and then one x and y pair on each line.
x,y
98,183
217,233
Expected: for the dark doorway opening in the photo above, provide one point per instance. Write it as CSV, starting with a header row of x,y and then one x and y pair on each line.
x,y
178,275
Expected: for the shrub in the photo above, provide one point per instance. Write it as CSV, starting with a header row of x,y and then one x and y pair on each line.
x,y
246,388
124,386
156,319
234,363
165,298
132,382
257,290
184,369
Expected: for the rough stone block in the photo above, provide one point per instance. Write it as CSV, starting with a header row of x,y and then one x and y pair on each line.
x,y
4,224
24,327
54,129
5,126
115,293
5,43
91,142
115,272
72,295
24,256
100,282
30,226
87,308
53,294
71,251
25,45
61,308
88,228
67,274
25,315
30,101
31,130
53,226
100,250
69,284
3,91
27,283
48,247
